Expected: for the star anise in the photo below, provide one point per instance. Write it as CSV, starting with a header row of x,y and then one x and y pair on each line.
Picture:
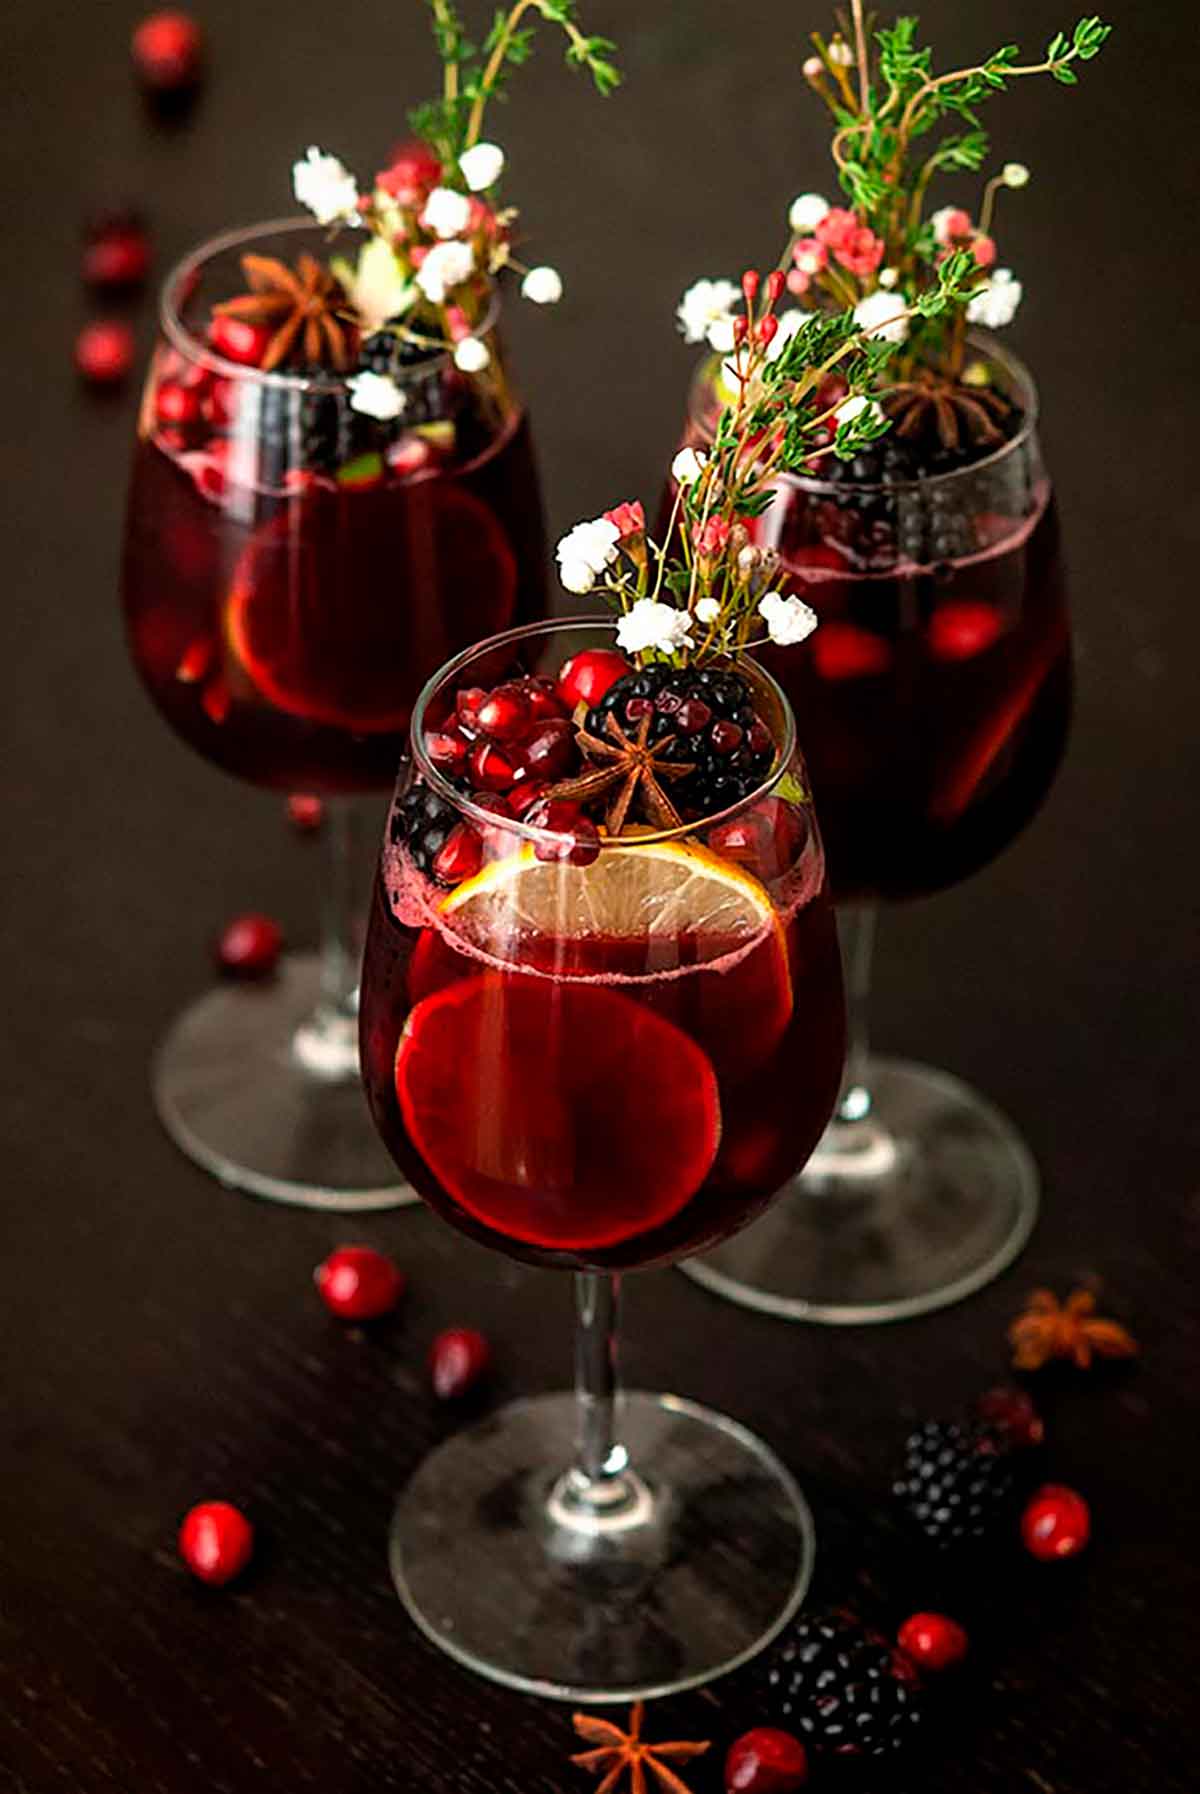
x,y
301,307
1072,1329
630,768
617,1751
931,406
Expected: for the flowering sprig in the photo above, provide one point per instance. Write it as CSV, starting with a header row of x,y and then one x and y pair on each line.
x,y
803,389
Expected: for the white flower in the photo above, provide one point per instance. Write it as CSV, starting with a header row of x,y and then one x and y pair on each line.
x,y
806,213
585,551
704,304
482,165
788,620
1015,174
720,336
708,610
447,213
379,289
576,576
790,322
447,265
326,187
881,314
471,356
543,285
687,466
996,304
851,408
888,277
653,625
841,55
812,68
376,396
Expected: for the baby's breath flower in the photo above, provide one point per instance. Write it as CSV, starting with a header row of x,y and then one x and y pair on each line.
x,y
650,624
705,303
326,187
996,304
584,553
806,213
481,166
446,266
708,610
788,620
471,355
1015,174
374,395
543,286
687,466
888,278
447,213
881,314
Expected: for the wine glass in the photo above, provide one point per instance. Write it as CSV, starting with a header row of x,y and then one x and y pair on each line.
x,y
936,698
293,571
597,1055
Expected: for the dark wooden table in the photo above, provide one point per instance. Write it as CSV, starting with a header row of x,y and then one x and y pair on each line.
x,y
161,1341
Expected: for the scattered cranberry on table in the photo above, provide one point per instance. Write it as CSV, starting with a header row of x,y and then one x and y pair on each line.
x,y
765,1761
359,1284
116,253
104,352
458,1358
1011,1412
168,51
932,1641
216,1542
1057,1523
249,946
305,812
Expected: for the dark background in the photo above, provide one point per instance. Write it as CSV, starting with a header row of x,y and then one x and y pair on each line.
x,y
160,1339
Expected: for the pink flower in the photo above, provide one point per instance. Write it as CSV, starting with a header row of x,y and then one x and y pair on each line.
x,y
951,225
456,323
984,250
861,253
810,255
797,283
482,218
628,518
837,226
711,540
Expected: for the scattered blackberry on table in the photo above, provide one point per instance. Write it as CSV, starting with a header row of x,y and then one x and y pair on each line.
x,y
708,717
841,1688
957,1483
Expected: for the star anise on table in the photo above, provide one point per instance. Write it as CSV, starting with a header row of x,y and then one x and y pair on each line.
x,y
1048,1328
630,768
616,1752
299,305
931,406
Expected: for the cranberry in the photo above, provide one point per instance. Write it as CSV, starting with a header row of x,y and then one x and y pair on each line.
x,y
491,768
693,716
543,700
460,856
588,675
167,51
458,1359
1057,1523
305,812
505,714
547,752
963,629
177,404
116,259
467,705
725,737
104,353
526,794
576,838
765,1761
239,341
216,1542
249,946
844,651
932,1641
359,1284
447,748
1010,1411
221,399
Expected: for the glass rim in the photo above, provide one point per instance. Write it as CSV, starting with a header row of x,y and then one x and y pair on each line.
x,y
170,312
485,818
988,343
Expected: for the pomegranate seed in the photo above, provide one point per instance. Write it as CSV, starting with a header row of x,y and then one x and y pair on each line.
x,y
961,630
116,260
359,1284
216,699
543,700
491,768
104,353
576,838
176,404
494,802
765,1761
447,748
932,1641
167,51
460,856
741,838
221,402
1011,1412
249,946
467,704
458,1359
505,715
693,716
239,341
526,794
844,651
587,676
725,737
305,812
547,752
1057,1523
196,659
216,1542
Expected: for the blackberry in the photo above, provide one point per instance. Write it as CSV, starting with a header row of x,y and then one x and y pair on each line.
x,y
313,428
841,1688
957,1483
710,714
422,822
420,369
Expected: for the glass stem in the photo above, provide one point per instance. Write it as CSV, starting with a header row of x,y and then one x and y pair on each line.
x,y
341,917
856,931
598,1456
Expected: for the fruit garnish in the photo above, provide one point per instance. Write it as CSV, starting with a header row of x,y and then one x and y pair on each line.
x,y
249,946
842,1687
216,1542
104,353
305,812
168,51
544,1161
964,628
458,1360
239,341
629,767
299,307
957,1482
116,253
357,1283
1056,1523
844,651
615,1753
587,676
1048,1329
765,1761
1011,1413
933,1641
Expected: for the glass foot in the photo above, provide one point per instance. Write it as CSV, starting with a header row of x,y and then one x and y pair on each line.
x,y
256,1087
927,1198
695,1574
